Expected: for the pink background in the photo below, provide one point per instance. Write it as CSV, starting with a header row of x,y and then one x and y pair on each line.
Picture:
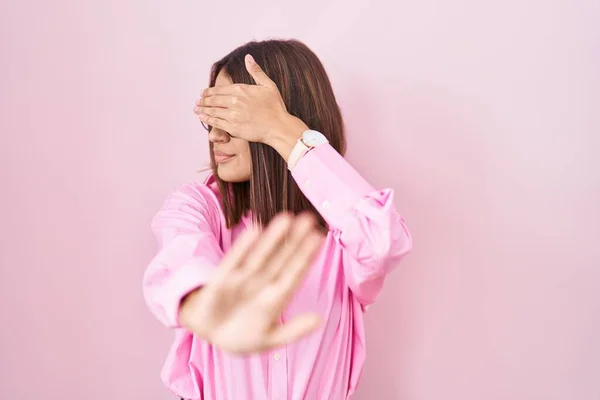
x,y
483,116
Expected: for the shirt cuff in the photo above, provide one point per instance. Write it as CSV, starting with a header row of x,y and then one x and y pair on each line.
x,y
330,183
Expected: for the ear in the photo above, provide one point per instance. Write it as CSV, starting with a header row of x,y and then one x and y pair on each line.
x,y
260,77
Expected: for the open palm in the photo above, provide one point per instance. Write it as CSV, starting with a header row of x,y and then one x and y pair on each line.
x,y
239,310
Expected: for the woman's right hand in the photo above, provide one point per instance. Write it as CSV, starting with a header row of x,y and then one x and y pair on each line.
x,y
239,309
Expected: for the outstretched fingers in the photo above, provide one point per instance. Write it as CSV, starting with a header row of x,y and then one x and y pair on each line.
x,y
236,256
287,275
265,250
303,225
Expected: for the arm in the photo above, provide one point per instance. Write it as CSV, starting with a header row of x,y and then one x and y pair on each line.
x,y
186,228
233,310
362,219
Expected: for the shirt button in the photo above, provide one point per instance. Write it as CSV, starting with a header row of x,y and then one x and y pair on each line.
x,y
276,356
325,204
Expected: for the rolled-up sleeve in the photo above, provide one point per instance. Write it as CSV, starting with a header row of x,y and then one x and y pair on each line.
x,y
187,229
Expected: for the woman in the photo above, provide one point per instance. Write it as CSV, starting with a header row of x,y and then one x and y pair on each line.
x,y
266,268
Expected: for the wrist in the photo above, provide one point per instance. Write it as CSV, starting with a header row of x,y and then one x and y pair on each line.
x,y
285,134
185,307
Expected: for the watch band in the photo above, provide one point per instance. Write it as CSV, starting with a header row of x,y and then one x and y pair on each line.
x,y
297,152
309,140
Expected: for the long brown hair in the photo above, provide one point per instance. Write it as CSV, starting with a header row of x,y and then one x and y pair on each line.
x,y
308,95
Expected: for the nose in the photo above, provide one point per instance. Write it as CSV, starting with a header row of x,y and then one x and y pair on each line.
x,y
217,135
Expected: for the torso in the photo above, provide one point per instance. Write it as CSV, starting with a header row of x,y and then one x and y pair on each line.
x,y
325,365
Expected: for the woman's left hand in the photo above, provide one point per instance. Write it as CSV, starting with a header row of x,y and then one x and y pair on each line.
x,y
249,112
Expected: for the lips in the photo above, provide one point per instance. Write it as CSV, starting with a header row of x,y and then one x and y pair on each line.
x,y
221,157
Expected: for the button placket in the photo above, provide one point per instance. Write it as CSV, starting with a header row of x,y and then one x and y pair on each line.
x,y
278,379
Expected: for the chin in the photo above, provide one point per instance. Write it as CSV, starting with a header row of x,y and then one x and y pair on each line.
x,y
232,175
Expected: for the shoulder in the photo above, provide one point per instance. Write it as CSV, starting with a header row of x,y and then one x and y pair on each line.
x,y
205,193
193,201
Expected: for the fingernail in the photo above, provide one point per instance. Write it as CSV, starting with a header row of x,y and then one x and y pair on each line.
x,y
202,115
250,58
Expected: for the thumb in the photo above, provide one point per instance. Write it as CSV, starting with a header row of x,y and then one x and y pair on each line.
x,y
260,77
293,330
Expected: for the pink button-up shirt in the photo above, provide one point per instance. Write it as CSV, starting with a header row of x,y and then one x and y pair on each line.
x,y
366,240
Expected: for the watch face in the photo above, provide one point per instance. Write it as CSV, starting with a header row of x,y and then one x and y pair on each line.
x,y
313,138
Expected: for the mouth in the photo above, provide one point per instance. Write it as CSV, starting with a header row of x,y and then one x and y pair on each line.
x,y
221,157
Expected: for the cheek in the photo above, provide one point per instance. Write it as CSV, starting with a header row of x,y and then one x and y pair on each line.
x,y
244,158
244,165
